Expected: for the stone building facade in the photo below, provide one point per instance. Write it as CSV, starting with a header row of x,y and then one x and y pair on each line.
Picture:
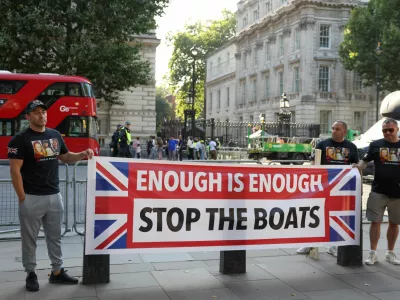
x,y
292,46
139,104
221,83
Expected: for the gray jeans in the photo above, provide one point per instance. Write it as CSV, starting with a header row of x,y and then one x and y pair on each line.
x,y
47,211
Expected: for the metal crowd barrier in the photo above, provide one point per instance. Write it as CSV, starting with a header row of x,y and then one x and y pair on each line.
x,y
285,162
249,161
80,197
9,205
232,153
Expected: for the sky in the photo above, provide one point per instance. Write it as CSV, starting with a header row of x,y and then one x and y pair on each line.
x,y
176,16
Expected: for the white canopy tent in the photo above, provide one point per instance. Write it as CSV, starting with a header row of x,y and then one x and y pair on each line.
x,y
257,134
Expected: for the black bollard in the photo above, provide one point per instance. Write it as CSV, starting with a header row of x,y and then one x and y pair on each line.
x,y
96,268
232,262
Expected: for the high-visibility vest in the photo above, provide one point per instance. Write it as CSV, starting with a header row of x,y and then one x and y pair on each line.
x,y
128,136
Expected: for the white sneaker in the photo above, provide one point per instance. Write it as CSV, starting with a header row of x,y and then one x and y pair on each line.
x,y
332,251
303,250
372,258
391,257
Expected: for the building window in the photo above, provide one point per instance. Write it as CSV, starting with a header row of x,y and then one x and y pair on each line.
x,y
244,20
228,97
296,80
211,68
359,120
267,92
268,6
219,100
325,120
254,92
243,91
255,57
280,83
323,82
358,87
267,52
251,119
324,36
281,48
296,39
210,102
256,15
293,116
245,62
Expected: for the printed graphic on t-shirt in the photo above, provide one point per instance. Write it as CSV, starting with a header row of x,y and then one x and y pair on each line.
x,y
46,148
337,154
388,155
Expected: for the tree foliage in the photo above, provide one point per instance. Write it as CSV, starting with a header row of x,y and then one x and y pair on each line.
x,y
79,37
205,37
163,107
368,25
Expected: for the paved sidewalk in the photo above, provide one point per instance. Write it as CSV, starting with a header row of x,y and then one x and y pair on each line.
x,y
271,274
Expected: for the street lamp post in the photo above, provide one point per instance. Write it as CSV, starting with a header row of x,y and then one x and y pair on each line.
x,y
378,52
262,121
192,93
226,131
284,113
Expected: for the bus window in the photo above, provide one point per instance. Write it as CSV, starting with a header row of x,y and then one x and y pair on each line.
x,y
18,84
78,127
21,125
63,127
74,90
6,87
93,127
52,93
87,90
6,128
11,86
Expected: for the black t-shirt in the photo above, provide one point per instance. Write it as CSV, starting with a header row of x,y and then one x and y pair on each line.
x,y
386,157
39,151
335,153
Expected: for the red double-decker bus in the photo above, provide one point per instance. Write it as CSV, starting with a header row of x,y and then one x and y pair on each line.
x,y
70,101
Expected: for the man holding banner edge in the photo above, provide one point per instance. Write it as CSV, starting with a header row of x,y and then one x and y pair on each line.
x,y
335,151
385,192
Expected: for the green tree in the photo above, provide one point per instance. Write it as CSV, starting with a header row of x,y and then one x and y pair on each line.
x,y
163,107
205,37
79,37
368,25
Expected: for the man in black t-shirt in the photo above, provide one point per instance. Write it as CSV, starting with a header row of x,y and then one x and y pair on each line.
x,y
33,155
335,151
385,192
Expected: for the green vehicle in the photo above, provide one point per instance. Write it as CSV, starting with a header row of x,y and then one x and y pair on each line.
x,y
264,145
282,148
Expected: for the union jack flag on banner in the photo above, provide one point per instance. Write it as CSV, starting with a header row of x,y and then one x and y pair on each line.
x,y
138,206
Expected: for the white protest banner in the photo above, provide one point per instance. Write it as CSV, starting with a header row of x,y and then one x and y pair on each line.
x,y
143,206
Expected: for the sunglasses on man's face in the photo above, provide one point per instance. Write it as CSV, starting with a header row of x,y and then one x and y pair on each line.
x,y
390,130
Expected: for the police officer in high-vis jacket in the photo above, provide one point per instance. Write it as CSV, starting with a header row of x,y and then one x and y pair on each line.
x,y
125,140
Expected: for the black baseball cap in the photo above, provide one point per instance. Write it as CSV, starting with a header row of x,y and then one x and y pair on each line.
x,y
33,104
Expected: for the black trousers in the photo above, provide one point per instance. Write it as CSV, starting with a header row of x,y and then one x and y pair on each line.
x,y
124,151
